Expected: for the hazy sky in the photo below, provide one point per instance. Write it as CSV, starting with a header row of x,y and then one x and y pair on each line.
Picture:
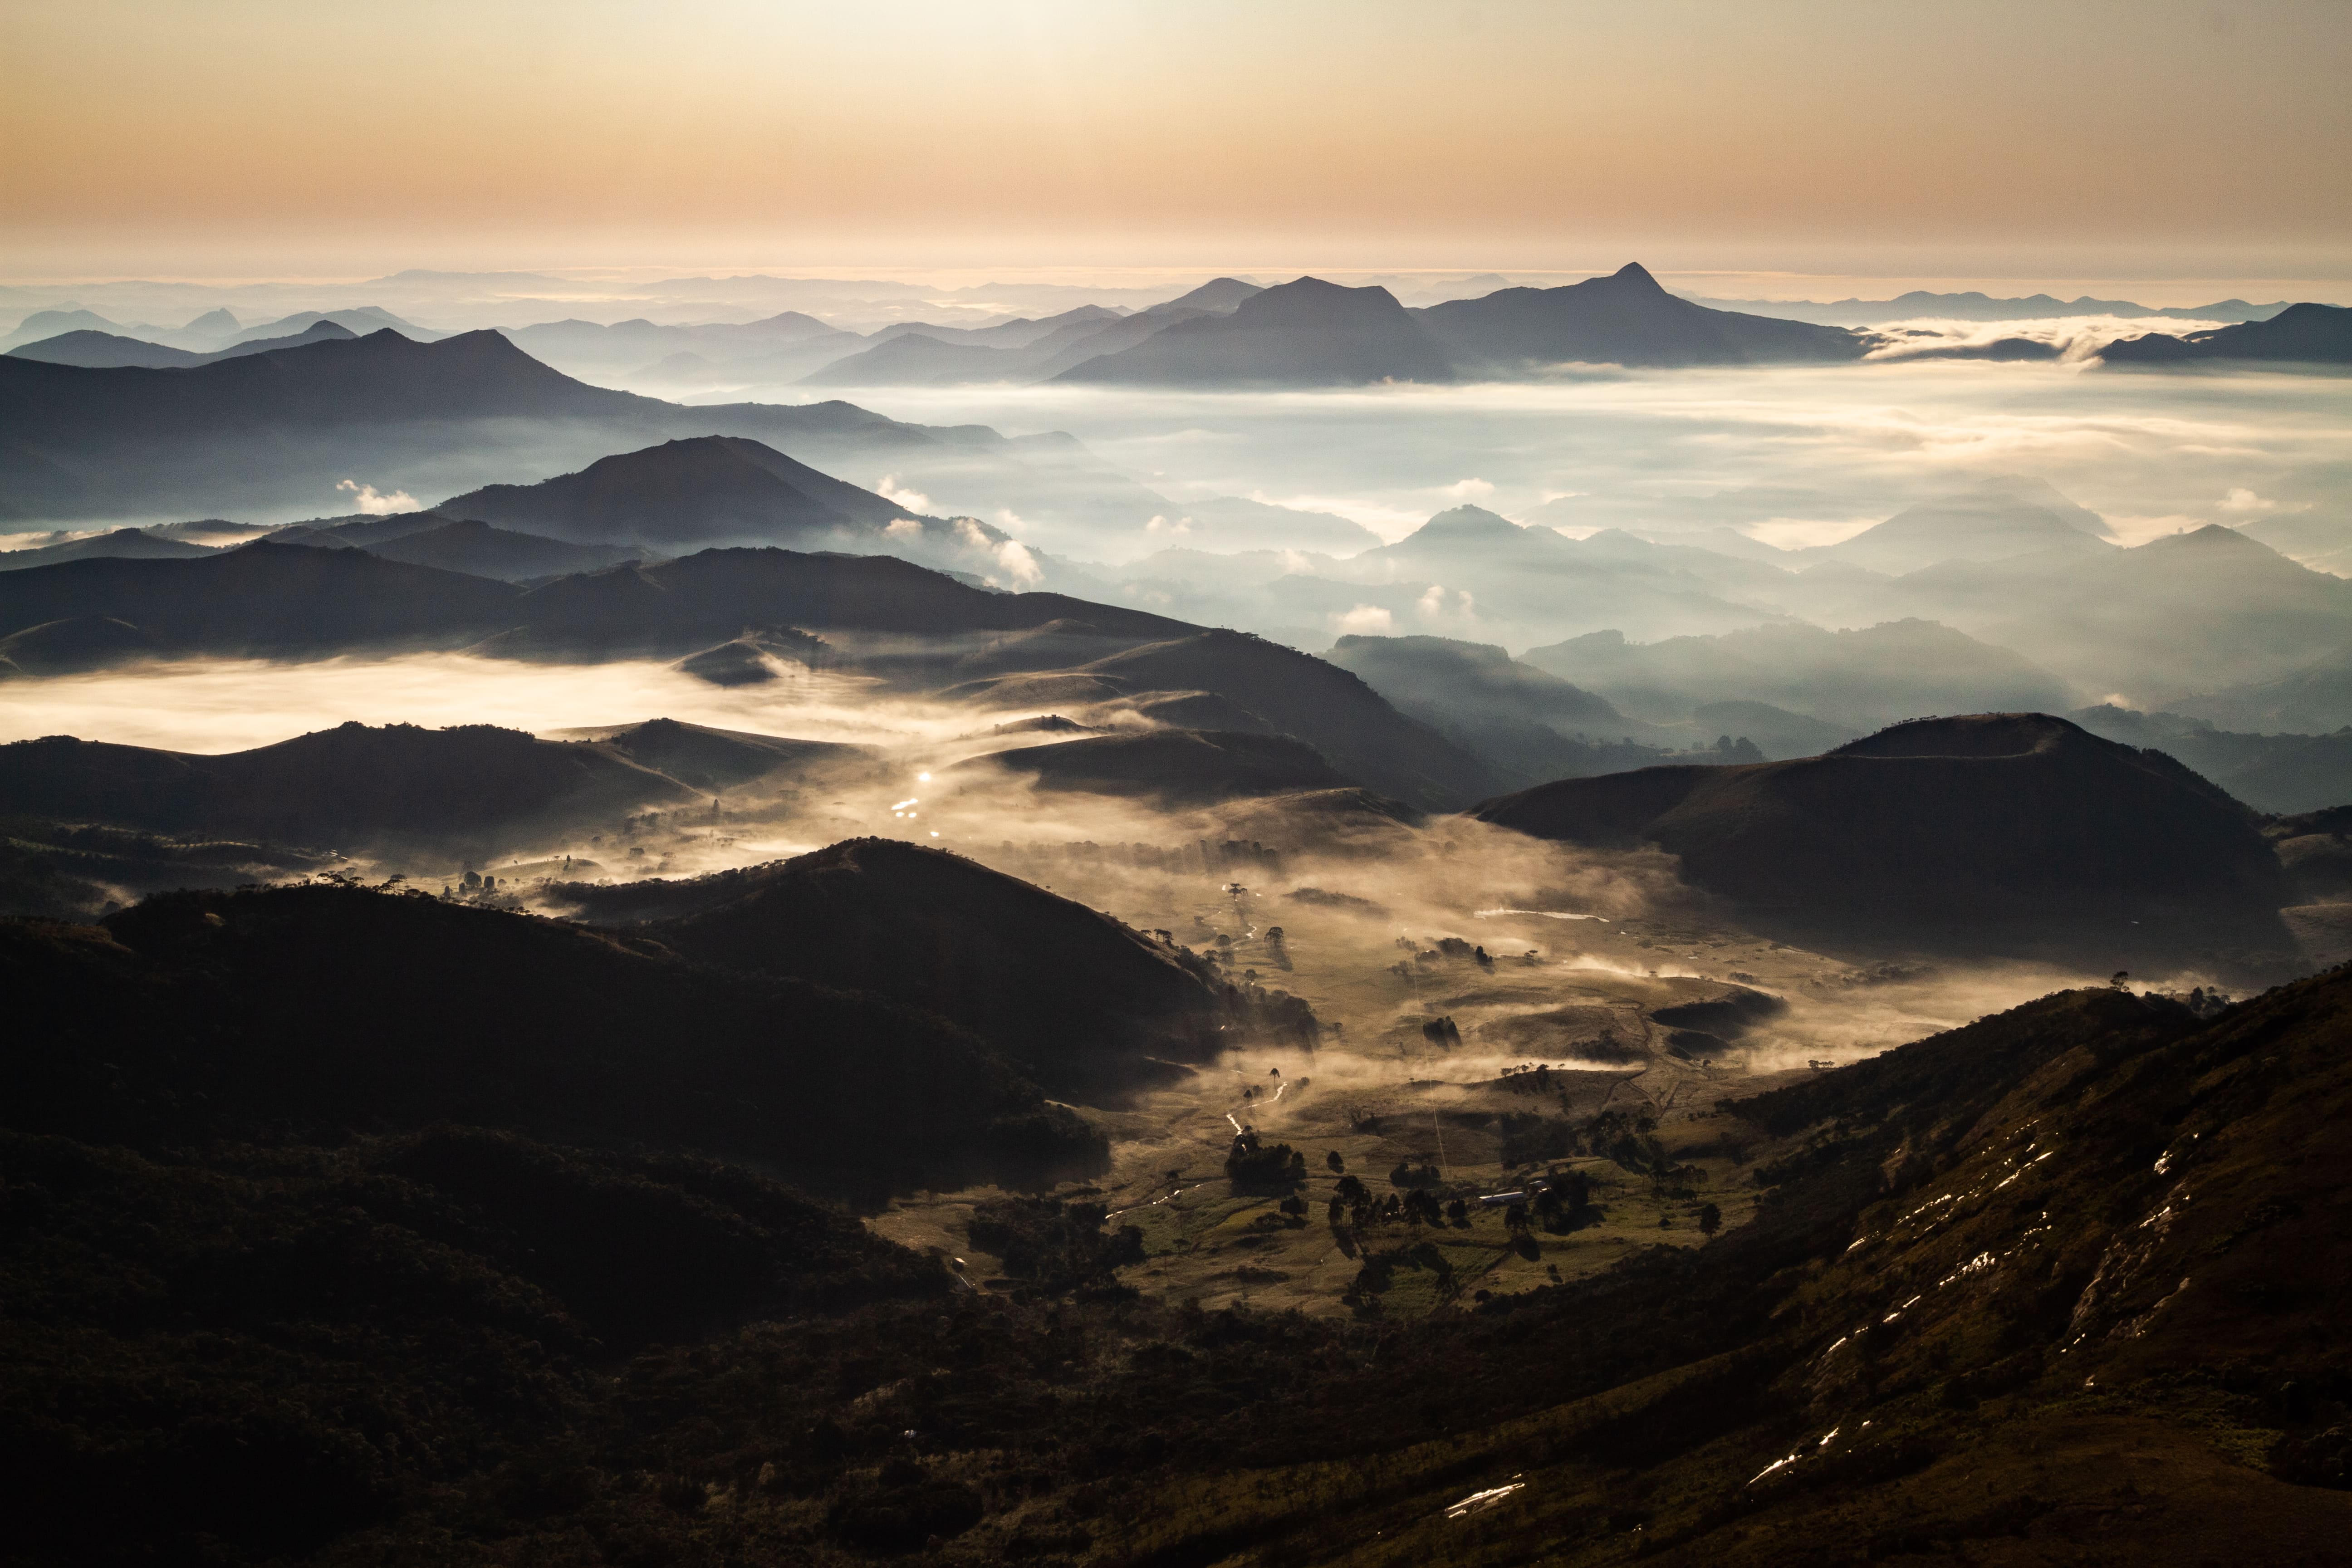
x,y
2044,138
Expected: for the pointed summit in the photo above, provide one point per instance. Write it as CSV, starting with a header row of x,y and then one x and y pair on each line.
x,y
1633,275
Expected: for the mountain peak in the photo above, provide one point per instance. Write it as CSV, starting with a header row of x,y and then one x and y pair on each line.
x,y
1634,275
1463,524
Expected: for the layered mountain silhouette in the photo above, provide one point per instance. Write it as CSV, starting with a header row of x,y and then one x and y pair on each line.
x,y
105,351
480,549
2300,334
1992,520
2016,833
1302,334
1624,319
1860,678
1086,1001
1529,723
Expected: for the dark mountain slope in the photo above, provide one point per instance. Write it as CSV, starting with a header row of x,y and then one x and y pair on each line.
x,y
264,598
208,1011
1998,833
1180,767
339,787
104,351
1077,995
1624,319
117,544
2300,334
1357,732
2060,1286
702,491
1307,332
713,594
479,550
708,759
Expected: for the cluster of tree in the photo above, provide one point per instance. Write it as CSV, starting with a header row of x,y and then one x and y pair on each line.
x,y
1254,1166
1057,1247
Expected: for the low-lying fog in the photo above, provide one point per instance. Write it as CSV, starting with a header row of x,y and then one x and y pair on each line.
x,y
1564,927
1794,454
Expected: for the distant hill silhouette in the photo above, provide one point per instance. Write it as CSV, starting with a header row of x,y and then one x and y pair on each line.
x,y
104,351
1080,997
2001,833
1858,678
1529,723
915,359
706,759
1988,520
1307,332
2300,334
1623,318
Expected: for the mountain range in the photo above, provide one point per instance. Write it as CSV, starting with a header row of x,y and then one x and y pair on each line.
x,y
2300,334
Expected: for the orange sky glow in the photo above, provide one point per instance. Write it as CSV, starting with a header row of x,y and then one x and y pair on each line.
x,y
2049,140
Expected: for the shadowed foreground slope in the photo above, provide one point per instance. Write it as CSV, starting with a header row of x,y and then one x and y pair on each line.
x,y
1071,994
2063,1285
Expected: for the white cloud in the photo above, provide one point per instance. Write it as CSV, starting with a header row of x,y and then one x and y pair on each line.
x,y
1011,522
913,500
1468,490
905,527
1432,603
2242,499
1161,525
1365,620
374,504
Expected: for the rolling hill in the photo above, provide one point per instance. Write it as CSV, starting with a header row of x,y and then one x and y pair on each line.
x,y
1998,832
2300,334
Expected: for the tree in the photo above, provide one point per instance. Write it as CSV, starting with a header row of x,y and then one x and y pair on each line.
x,y
1336,1163
1710,1219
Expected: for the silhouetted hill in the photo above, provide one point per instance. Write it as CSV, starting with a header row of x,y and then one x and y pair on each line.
x,y
709,490
2300,334
1307,332
914,359
104,351
1996,833
1179,767
336,787
708,759
208,1009
1356,730
1080,997
1221,295
1623,318
264,598
479,550
120,543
